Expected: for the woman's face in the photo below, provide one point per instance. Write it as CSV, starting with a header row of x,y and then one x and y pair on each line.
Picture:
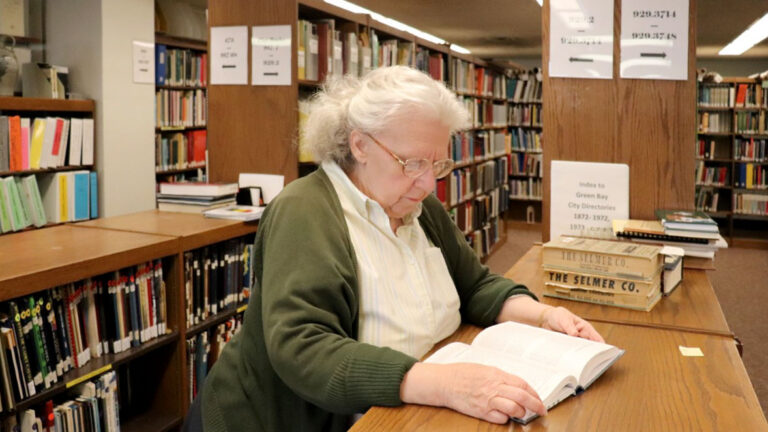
x,y
380,176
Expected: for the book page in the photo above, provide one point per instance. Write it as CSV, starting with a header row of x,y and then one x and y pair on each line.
x,y
582,358
551,386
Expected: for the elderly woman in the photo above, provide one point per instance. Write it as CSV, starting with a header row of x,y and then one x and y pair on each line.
x,y
362,271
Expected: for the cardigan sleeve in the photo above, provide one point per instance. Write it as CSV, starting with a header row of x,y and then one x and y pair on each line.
x,y
482,293
310,307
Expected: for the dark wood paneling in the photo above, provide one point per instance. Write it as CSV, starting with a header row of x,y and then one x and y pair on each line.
x,y
252,128
647,124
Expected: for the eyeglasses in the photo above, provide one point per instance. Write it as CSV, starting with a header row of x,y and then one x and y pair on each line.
x,y
413,168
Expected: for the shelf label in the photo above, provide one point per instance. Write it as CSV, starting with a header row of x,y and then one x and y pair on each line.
x,y
654,39
271,55
143,62
229,55
586,197
581,39
89,375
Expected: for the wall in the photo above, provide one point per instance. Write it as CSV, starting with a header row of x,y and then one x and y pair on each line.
x,y
94,38
647,124
733,66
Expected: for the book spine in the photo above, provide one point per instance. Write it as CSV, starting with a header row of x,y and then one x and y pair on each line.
x,y
609,284
63,329
603,298
42,352
49,330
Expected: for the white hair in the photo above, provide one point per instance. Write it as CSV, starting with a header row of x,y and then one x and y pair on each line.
x,y
372,104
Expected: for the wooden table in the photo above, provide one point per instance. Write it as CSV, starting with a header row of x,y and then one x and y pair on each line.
x,y
39,259
693,306
651,388
193,230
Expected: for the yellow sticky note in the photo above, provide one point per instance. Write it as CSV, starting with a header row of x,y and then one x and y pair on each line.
x,y
691,351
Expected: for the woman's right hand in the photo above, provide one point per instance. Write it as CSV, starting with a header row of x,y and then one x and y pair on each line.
x,y
477,390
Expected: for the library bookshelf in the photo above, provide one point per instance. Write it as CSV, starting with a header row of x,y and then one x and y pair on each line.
x,y
182,108
524,90
40,108
41,259
731,159
37,260
476,193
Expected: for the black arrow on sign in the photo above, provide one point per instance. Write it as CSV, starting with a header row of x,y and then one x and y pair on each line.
x,y
576,59
662,55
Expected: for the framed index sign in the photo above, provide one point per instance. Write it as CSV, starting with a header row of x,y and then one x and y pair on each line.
x,y
586,196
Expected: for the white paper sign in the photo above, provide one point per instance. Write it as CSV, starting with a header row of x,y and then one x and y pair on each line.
x,y
581,38
586,197
143,62
229,55
271,55
654,39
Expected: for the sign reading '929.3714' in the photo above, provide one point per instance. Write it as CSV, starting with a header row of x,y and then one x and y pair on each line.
x,y
654,39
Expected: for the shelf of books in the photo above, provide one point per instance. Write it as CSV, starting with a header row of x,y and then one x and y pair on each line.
x,y
731,159
47,159
181,108
525,167
216,276
333,42
83,311
91,312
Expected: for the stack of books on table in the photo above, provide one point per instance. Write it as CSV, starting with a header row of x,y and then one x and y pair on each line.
x,y
694,232
195,197
604,272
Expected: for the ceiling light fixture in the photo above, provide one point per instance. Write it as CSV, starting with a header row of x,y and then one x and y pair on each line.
x,y
751,37
393,23
460,49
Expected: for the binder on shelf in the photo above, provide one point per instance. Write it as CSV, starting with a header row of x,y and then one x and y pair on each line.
x,y
87,146
161,54
36,146
93,194
75,141
54,189
5,149
80,198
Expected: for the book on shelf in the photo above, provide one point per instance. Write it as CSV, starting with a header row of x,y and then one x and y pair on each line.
x,y
555,365
236,212
91,406
204,349
198,189
217,278
46,334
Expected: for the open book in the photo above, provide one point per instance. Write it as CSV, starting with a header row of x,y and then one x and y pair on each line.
x,y
554,364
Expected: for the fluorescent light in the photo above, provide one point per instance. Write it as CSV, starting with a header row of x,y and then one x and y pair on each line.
x,y
349,6
751,37
390,22
460,49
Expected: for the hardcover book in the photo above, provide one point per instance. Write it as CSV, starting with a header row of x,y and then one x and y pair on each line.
x,y
555,365
610,258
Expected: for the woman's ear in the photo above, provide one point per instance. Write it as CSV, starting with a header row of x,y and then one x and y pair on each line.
x,y
358,146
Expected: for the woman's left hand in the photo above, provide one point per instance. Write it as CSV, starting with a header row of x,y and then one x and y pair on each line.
x,y
562,320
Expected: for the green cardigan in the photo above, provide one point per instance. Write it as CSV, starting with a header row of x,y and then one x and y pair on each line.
x,y
296,364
